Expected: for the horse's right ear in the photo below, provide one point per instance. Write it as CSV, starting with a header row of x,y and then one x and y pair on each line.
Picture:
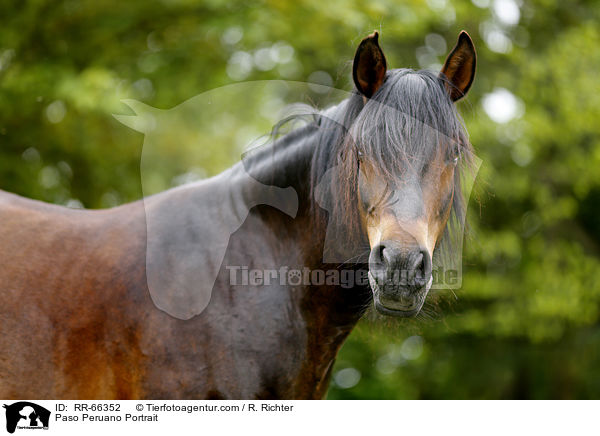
x,y
369,66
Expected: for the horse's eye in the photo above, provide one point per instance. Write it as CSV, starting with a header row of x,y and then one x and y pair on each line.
x,y
454,157
453,154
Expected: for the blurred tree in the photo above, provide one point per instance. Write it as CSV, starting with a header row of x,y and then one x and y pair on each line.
x,y
525,323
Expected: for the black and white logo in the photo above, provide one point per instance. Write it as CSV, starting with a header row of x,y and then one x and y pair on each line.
x,y
26,415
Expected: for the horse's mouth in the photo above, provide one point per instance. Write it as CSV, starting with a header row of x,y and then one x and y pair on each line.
x,y
399,310
404,307
400,313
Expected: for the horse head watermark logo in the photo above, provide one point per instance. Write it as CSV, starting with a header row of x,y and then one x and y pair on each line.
x,y
26,415
186,246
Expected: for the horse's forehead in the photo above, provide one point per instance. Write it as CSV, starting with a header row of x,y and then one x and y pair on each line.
x,y
415,81
411,170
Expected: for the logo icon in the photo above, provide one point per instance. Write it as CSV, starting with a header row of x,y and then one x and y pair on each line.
x,y
26,415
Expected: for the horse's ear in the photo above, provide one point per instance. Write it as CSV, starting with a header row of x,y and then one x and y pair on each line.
x,y
459,70
369,66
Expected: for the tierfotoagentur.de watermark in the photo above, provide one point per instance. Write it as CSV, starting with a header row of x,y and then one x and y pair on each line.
x,y
346,278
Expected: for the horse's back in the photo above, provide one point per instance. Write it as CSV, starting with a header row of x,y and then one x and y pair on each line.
x,y
67,279
44,242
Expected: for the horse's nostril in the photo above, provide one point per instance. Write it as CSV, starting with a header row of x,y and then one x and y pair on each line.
x,y
419,264
422,268
377,256
419,269
389,256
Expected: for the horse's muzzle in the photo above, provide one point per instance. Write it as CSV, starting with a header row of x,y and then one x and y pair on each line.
x,y
400,278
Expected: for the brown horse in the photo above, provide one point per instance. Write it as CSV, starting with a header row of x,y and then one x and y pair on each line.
x,y
77,317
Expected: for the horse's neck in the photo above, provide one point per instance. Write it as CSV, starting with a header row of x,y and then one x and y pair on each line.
x,y
289,166
327,312
285,163
189,228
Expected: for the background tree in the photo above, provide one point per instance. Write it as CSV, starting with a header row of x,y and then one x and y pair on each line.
x,y
524,324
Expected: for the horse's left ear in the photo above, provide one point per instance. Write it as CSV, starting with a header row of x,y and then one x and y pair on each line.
x,y
369,65
459,70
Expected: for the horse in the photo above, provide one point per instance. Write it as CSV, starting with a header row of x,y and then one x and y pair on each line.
x,y
78,320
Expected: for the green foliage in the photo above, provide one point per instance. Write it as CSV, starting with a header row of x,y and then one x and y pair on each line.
x,y
524,324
